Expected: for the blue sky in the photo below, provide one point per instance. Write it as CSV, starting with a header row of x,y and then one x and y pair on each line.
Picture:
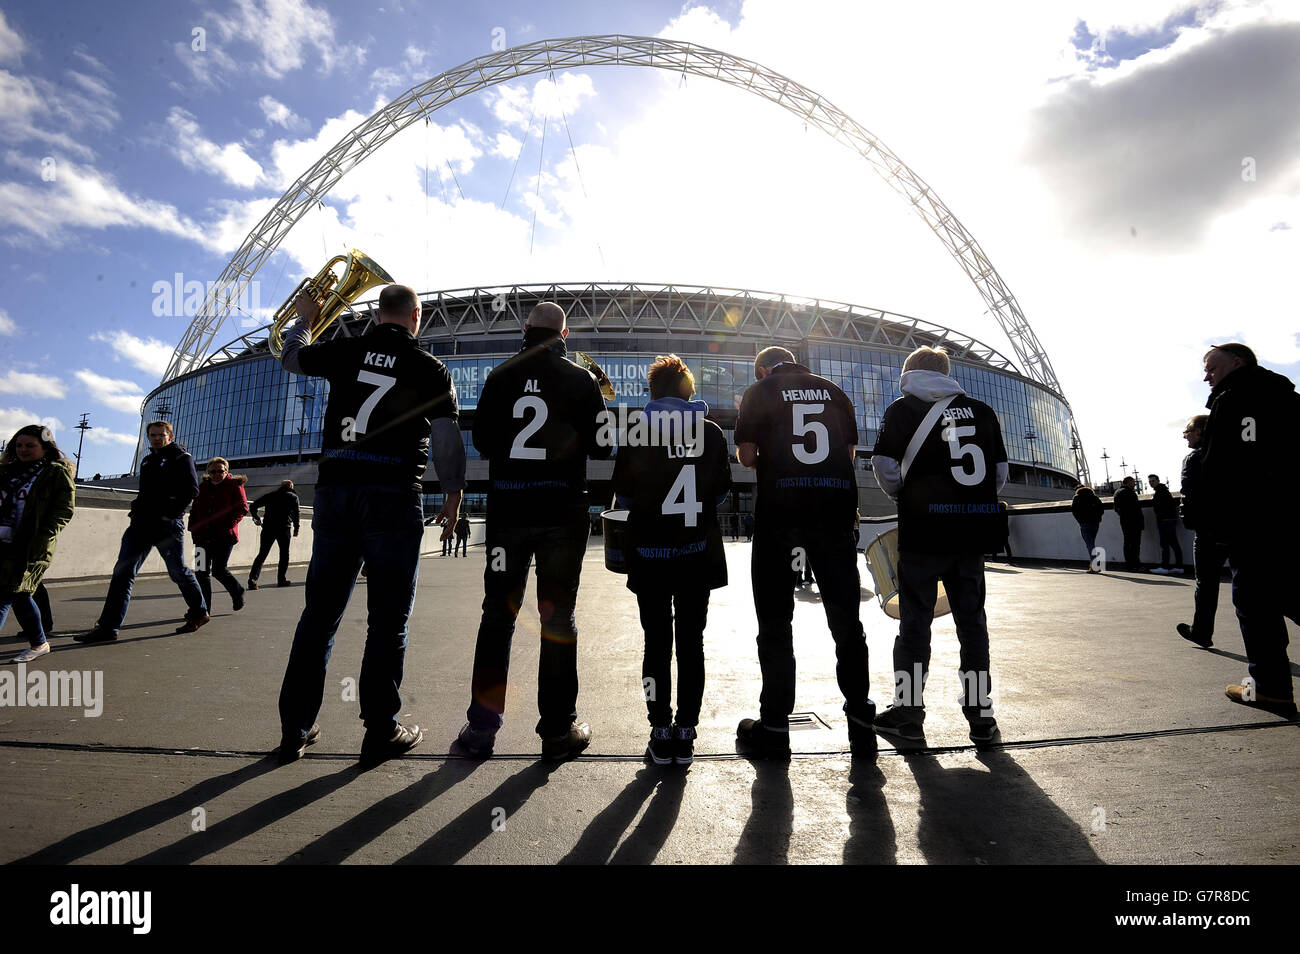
x,y
1107,185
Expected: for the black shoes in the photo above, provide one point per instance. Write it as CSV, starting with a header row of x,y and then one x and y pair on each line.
x,y
476,743
903,722
862,733
292,748
376,750
560,747
237,601
1185,631
683,744
285,583
97,635
761,741
252,584
983,727
660,749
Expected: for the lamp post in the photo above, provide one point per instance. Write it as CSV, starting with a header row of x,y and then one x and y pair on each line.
x,y
302,426
84,426
1030,437
1105,459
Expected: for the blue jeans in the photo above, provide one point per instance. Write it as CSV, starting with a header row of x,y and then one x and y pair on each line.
x,y
382,527
29,616
141,537
1089,533
509,552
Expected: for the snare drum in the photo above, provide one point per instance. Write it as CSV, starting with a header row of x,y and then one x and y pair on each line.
x,y
882,556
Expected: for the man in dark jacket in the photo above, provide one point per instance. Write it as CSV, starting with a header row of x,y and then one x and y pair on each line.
x,y
168,482
281,510
1166,511
1208,555
1088,511
462,537
1250,435
1129,511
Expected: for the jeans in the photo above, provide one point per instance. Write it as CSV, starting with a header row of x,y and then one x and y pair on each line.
x,y
272,535
462,548
657,619
28,614
381,526
42,600
1089,533
834,560
212,563
1132,546
509,551
446,546
137,541
1259,594
1168,530
963,580
1208,558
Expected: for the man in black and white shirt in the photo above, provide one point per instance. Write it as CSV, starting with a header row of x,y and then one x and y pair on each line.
x,y
940,455
799,431
538,420
388,399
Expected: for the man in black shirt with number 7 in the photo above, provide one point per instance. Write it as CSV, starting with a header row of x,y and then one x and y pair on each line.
x,y
388,400
799,431
940,455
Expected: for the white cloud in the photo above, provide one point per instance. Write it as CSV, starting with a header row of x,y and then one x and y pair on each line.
x,y
147,354
80,197
103,435
12,44
12,418
33,385
287,32
279,114
507,146
196,151
514,104
57,116
119,394
7,325
385,78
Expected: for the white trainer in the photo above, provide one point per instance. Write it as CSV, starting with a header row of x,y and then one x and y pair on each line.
x,y
34,652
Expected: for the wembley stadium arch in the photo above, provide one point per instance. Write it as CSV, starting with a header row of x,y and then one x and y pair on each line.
x,y
195,357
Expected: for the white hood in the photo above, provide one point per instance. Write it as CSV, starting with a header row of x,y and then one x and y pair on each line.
x,y
929,386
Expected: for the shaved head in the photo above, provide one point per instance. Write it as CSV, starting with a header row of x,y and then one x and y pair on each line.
x,y
547,315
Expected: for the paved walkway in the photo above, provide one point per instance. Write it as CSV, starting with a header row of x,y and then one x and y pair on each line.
x,y
1119,745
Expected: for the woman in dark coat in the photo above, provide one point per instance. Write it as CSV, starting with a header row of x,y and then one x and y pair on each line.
x,y
1088,509
36,502
214,525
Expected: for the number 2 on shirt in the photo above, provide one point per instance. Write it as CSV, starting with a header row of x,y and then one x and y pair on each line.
x,y
519,450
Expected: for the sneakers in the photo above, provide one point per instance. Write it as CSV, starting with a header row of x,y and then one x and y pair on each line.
x,y
252,584
292,748
660,749
35,652
560,747
193,625
683,744
237,601
476,743
904,722
374,750
1185,631
763,741
97,635
1274,704
983,728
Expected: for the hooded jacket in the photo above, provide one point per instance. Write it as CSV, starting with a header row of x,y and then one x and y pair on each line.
x,y
49,507
220,506
1249,449
168,482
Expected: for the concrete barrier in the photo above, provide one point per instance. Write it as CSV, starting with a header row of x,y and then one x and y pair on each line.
x,y
88,546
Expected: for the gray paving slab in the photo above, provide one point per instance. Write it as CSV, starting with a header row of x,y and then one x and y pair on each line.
x,y
1119,743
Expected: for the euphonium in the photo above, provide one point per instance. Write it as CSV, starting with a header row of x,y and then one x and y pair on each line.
x,y
584,360
360,274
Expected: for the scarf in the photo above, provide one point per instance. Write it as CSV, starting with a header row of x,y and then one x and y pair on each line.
x,y
12,499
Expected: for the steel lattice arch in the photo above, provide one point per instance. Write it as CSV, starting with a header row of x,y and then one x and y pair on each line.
x,y
616,50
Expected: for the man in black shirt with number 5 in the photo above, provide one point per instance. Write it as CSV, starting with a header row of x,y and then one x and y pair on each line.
x,y
388,400
798,429
940,455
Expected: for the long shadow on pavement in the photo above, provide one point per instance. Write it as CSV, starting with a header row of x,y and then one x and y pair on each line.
x,y
871,829
765,839
467,830
354,834
996,817
98,837
596,846
254,818
1295,668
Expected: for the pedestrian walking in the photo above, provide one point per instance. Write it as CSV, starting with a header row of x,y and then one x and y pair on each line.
x,y
214,527
1208,555
1088,511
462,537
281,508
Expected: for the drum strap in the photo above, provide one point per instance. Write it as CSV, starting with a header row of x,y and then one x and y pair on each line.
x,y
923,431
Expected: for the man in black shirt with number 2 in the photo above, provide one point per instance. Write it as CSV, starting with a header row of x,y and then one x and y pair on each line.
x,y
388,400
940,455
798,429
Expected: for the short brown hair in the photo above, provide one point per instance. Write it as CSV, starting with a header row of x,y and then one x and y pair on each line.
x,y
926,358
1237,350
771,357
667,376
165,425
1199,421
398,301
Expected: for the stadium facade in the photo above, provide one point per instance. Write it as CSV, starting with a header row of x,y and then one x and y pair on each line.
x,y
241,405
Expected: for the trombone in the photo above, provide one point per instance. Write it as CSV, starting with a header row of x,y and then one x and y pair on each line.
x,y
360,274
